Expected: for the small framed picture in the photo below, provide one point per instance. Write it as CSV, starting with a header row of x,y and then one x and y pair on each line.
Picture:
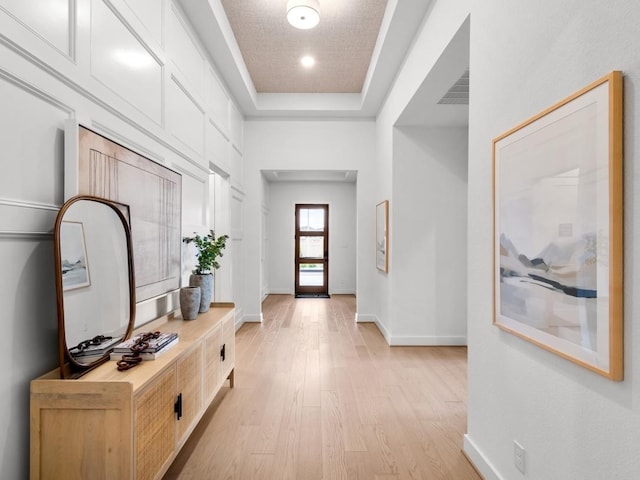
x,y
382,236
73,254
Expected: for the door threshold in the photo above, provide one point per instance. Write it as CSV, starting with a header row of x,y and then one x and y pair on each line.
x,y
312,295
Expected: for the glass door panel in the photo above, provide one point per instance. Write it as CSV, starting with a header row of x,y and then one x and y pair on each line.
x,y
311,274
312,247
311,220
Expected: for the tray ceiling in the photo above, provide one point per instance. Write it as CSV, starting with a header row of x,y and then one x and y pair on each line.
x,y
342,45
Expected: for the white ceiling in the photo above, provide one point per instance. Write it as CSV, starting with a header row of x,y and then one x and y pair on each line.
x,y
424,108
272,49
361,44
339,176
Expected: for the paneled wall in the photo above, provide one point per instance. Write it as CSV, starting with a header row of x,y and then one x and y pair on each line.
x,y
135,72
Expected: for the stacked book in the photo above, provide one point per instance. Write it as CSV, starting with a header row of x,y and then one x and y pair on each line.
x,y
90,350
157,346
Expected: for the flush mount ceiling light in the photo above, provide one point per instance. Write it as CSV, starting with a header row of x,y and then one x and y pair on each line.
x,y
303,14
307,61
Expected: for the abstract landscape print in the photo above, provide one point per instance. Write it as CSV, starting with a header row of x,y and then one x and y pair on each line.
x,y
558,228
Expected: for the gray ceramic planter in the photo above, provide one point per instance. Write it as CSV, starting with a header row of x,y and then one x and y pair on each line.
x,y
205,282
190,302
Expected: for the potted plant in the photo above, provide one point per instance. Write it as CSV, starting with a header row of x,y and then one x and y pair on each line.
x,y
208,249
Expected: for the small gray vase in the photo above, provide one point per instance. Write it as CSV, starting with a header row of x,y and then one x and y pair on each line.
x,y
190,302
205,282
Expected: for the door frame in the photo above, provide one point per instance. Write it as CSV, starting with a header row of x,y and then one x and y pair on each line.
x,y
322,290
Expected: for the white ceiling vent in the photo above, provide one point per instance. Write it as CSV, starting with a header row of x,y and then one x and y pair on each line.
x,y
458,94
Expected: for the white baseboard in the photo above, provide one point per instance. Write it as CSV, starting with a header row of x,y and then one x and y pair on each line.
x,y
342,292
256,318
427,341
366,318
370,318
479,460
411,341
384,331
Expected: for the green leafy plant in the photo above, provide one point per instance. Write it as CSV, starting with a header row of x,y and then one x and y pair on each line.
x,y
209,249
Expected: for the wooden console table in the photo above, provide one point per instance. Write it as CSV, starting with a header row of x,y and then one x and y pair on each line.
x,y
131,425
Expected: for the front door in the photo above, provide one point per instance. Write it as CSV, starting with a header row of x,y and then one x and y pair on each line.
x,y
312,250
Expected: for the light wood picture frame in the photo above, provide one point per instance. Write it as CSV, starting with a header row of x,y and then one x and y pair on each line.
x,y
382,236
558,212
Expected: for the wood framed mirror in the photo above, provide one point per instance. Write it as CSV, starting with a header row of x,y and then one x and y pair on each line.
x,y
94,282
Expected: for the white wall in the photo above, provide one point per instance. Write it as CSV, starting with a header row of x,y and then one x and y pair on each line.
x,y
136,74
429,237
310,145
341,198
220,198
266,232
442,21
573,424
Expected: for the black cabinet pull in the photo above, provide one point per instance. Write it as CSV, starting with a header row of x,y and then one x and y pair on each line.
x,y
177,407
223,351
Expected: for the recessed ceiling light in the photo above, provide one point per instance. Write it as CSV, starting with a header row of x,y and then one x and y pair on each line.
x,y
303,14
307,61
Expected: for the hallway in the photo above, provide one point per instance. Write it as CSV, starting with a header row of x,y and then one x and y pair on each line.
x,y
318,396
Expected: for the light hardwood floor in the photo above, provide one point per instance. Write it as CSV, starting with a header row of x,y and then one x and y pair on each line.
x,y
318,396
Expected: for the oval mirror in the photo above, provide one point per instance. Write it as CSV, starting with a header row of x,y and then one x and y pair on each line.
x,y
94,281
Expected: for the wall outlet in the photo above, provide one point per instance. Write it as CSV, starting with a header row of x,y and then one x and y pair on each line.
x,y
518,456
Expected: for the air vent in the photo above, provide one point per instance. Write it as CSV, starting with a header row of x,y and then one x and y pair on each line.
x,y
458,94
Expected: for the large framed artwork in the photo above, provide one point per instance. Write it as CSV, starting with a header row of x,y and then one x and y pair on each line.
x,y
153,194
558,228
382,236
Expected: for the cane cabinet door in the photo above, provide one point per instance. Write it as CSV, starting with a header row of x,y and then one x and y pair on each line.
x,y
189,399
154,430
